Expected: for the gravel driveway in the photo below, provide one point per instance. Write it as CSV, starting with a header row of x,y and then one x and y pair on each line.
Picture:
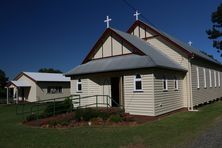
x,y
211,138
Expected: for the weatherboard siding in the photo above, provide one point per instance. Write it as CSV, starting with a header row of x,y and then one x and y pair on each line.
x,y
32,92
90,87
41,89
139,103
170,100
112,46
201,94
173,53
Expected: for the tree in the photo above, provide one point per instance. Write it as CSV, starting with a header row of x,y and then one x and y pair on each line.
x,y
3,79
49,70
215,33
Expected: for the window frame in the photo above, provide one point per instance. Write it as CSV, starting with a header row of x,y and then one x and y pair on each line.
x,y
210,78
78,82
205,78
138,80
215,79
57,88
165,80
176,84
198,77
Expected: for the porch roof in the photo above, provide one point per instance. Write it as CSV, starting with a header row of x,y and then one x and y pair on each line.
x,y
19,83
119,63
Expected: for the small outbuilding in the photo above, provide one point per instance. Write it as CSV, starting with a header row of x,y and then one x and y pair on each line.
x,y
35,86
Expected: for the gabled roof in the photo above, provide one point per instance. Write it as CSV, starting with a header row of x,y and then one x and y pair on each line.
x,y
183,46
44,77
151,58
19,84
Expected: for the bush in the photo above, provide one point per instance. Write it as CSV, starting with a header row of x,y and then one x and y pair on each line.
x,y
31,117
86,114
60,107
116,118
53,123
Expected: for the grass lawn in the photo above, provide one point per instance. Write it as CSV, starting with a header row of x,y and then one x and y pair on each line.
x,y
172,131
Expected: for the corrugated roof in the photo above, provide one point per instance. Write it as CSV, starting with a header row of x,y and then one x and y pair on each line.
x,y
47,77
153,58
184,45
21,83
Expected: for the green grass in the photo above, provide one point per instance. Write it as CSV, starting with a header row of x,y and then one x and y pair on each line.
x,y
174,130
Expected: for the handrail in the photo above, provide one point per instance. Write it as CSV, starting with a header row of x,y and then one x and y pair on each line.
x,y
39,105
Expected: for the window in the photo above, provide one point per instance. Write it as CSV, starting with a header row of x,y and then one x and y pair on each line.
x,y
215,79
198,77
210,78
79,85
218,78
54,89
138,83
205,81
176,84
165,84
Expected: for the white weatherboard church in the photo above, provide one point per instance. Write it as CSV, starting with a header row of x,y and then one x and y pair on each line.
x,y
146,71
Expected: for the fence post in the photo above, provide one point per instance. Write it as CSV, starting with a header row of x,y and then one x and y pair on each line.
x,y
54,108
96,101
107,102
79,101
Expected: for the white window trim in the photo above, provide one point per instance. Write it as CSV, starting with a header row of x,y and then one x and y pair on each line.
x,y
198,77
210,78
215,79
138,80
177,84
218,74
205,81
166,81
77,84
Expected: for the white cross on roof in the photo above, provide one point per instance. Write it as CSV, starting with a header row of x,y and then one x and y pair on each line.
x,y
137,15
107,21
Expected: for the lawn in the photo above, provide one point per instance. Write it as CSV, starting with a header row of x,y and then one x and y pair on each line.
x,y
173,131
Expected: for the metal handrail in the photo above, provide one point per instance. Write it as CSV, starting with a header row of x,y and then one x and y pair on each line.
x,y
38,104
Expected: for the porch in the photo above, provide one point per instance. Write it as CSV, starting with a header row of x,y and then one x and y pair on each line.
x,y
18,91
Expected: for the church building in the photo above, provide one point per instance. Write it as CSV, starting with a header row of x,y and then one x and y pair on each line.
x,y
146,71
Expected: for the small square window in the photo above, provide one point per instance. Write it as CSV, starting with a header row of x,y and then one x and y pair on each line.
x,y
138,83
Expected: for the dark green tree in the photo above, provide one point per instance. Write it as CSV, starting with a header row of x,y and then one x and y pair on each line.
x,y
3,79
49,70
215,33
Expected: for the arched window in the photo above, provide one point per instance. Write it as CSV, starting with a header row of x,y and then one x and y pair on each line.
x,y
79,85
138,83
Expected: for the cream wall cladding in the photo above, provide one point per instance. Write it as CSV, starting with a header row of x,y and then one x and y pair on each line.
x,y
112,46
172,98
92,86
32,91
43,86
210,92
171,51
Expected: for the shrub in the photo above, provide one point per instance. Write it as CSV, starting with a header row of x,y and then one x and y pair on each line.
x,y
59,106
86,114
116,118
31,117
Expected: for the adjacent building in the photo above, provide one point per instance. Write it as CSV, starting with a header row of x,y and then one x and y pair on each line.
x,y
35,86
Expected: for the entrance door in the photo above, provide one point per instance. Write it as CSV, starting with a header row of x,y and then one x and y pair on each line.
x,y
115,91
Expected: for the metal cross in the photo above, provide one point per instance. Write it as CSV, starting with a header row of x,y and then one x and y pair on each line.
x,y
190,43
137,15
107,21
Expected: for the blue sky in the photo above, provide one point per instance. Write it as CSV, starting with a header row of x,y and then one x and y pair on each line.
x,y
58,34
